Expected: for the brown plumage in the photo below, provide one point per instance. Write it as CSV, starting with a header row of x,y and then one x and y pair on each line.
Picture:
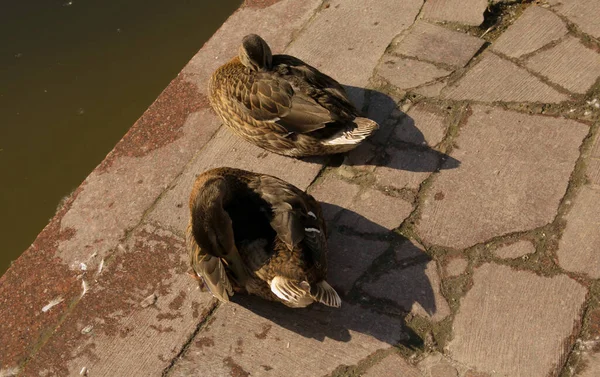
x,y
255,233
284,105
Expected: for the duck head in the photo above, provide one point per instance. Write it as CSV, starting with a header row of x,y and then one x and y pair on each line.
x,y
255,53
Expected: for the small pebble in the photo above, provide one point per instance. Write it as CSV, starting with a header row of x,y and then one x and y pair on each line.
x,y
150,300
87,329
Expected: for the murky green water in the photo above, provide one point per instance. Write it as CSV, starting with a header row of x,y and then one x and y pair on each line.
x,y
74,76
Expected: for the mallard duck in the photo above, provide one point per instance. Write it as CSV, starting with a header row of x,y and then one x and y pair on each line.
x,y
284,105
255,233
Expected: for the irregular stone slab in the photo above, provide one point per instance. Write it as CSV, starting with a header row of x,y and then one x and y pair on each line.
x,y
226,149
415,288
593,171
438,45
335,192
514,171
349,257
407,168
421,126
534,29
496,79
346,39
498,326
582,13
392,366
259,338
569,64
436,365
406,73
515,250
579,247
113,329
456,266
468,12
431,90
592,366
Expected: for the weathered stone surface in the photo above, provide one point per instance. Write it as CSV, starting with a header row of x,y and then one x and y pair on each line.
x,y
534,29
431,90
259,338
592,366
366,214
346,39
498,326
422,126
515,250
582,13
579,247
351,256
415,288
407,168
392,366
456,266
469,12
496,79
435,365
569,64
514,171
226,149
334,191
593,171
438,44
405,73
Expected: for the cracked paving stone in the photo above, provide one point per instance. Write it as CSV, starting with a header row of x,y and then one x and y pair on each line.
x,y
515,250
468,12
407,168
579,246
334,195
406,73
582,13
495,79
422,126
436,365
534,29
568,64
393,366
456,266
516,323
514,171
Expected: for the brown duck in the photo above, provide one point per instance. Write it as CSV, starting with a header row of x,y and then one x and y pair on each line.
x,y
255,233
284,105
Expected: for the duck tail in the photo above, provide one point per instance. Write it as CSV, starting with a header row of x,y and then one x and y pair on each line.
x,y
325,294
363,128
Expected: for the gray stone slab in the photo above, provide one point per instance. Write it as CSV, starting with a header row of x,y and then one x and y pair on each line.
x,y
226,149
456,266
407,168
258,338
514,171
515,250
468,12
583,13
569,64
534,29
516,323
438,44
405,73
579,247
495,79
393,365
346,39
423,125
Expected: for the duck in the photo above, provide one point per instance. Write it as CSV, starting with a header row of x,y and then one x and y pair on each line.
x,y
257,234
284,105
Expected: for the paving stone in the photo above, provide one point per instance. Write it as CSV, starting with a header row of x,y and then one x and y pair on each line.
x,y
569,64
226,149
582,13
514,171
593,171
431,90
421,126
468,12
534,29
415,288
258,338
337,193
515,250
349,54
365,213
592,366
580,243
498,326
456,266
407,168
436,365
392,366
405,73
495,79
110,332
351,256
438,44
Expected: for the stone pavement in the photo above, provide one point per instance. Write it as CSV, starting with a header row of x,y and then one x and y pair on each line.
x,y
463,237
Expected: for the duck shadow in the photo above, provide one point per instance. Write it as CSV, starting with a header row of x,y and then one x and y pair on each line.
x,y
380,278
400,145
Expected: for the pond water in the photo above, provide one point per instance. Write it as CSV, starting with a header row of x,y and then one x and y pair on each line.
x,y
74,76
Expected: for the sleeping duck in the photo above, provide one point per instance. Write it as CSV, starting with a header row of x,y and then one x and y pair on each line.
x,y
283,105
255,233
